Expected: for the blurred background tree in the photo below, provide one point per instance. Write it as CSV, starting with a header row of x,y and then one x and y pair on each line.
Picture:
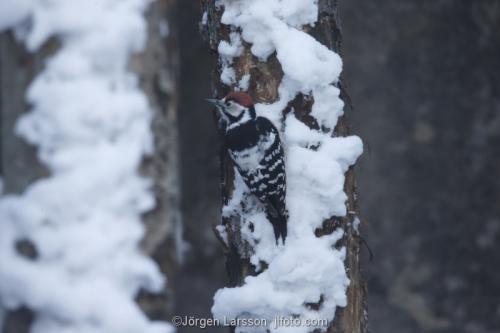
x,y
157,71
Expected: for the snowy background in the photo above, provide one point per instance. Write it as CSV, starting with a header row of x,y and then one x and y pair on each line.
x,y
423,78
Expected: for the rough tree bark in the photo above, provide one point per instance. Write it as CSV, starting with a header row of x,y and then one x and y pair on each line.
x,y
264,83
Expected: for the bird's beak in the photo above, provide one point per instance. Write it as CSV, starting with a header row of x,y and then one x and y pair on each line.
x,y
215,102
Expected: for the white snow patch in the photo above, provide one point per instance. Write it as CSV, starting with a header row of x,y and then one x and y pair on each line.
x,y
227,52
355,224
222,230
204,18
231,49
244,83
228,75
328,106
306,269
91,124
252,215
315,178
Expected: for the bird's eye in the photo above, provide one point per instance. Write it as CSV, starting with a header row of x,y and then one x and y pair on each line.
x,y
228,103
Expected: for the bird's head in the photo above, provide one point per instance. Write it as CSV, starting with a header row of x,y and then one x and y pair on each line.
x,y
235,107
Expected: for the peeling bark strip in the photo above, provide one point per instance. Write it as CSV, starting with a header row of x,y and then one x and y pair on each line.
x,y
265,78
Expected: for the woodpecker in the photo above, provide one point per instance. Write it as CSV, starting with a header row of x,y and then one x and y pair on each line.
x,y
255,147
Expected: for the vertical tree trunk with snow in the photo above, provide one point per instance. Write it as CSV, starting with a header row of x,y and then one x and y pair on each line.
x,y
155,67
264,84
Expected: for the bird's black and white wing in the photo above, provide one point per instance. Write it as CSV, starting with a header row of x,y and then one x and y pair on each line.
x,y
262,167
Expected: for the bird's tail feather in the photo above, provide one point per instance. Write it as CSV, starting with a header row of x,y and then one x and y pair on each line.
x,y
279,222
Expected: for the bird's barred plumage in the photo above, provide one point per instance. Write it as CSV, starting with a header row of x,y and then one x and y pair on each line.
x,y
255,147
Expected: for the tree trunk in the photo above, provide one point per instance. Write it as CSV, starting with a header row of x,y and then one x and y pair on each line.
x,y
156,68
19,165
265,78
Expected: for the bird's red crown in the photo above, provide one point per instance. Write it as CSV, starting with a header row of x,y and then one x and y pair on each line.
x,y
241,98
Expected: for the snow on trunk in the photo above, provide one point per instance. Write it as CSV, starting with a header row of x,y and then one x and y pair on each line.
x,y
306,277
91,125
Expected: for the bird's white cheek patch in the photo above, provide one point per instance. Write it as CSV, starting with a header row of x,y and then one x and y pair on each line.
x,y
234,112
